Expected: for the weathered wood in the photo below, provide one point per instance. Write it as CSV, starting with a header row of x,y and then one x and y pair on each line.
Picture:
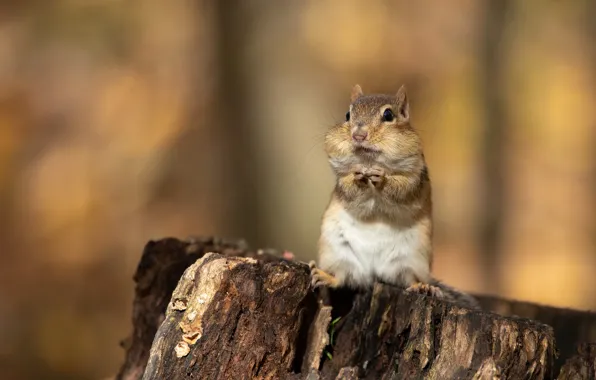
x,y
318,339
582,365
232,318
158,272
571,327
393,335
241,318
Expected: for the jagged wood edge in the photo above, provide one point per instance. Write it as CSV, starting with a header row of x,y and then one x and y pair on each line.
x,y
163,262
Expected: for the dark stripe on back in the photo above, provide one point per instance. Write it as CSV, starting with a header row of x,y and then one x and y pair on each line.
x,y
424,177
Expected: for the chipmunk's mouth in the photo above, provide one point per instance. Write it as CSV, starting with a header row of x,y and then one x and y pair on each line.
x,y
365,147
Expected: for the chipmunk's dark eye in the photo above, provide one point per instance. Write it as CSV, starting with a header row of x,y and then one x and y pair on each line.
x,y
388,115
348,116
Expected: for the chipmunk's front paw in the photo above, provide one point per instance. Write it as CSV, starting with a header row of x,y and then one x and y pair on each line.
x,y
426,289
375,175
360,174
321,278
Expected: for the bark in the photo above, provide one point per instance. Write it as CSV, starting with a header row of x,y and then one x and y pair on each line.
x,y
239,313
571,327
157,275
582,365
232,318
392,335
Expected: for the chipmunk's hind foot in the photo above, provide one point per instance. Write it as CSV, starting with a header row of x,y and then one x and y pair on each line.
x,y
426,289
321,278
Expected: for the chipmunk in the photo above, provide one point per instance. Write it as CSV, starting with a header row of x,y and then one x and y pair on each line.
x,y
378,224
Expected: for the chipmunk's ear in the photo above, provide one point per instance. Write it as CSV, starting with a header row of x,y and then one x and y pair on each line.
x,y
403,105
356,93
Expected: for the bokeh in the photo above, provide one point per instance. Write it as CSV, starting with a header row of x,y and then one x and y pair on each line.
x,y
125,121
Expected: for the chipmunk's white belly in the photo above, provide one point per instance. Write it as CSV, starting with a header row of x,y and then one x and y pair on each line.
x,y
359,252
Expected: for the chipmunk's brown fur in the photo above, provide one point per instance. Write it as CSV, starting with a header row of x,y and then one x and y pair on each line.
x,y
378,225
391,154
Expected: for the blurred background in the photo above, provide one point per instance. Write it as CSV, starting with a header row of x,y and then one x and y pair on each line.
x,y
124,121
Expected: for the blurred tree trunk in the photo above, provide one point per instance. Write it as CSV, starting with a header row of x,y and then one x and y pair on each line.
x,y
212,165
235,116
590,19
495,124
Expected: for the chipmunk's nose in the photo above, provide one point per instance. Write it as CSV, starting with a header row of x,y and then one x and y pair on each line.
x,y
359,136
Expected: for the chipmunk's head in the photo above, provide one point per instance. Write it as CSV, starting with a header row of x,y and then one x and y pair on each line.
x,y
375,125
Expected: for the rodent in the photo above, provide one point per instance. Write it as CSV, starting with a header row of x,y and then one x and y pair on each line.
x,y
378,223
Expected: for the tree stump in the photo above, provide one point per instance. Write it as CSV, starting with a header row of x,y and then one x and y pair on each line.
x,y
210,309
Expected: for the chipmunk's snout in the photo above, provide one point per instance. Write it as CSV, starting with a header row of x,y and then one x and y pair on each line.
x,y
359,136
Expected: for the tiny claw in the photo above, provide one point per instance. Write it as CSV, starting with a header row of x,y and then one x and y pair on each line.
x,y
375,172
426,289
316,283
321,278
360,173
375,175
375,179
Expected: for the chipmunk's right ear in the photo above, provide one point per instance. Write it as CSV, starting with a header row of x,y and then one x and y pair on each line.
x,y
356,93
403,105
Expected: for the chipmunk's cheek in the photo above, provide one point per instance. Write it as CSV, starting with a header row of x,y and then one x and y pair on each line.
x,y
341,163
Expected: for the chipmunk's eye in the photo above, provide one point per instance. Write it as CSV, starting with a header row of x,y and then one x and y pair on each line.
x,y
388,115
348,116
